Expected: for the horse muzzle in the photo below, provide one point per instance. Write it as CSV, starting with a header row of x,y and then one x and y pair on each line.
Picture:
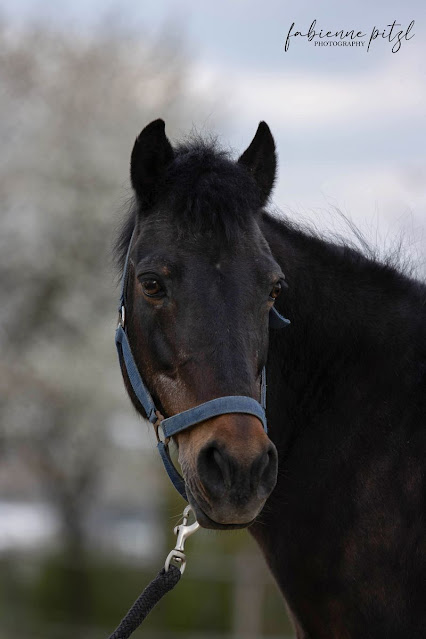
x,y
230,469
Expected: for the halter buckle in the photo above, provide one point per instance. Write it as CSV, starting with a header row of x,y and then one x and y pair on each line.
x,y
122,317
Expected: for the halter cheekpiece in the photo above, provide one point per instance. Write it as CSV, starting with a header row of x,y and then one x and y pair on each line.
x,y
179,422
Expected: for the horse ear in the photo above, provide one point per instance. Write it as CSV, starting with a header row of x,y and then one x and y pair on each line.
x,y
151,154
261,161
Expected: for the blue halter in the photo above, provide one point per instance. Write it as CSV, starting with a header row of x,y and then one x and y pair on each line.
x,y
177,423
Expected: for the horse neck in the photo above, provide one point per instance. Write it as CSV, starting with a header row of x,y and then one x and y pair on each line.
x,y
354,322
346,407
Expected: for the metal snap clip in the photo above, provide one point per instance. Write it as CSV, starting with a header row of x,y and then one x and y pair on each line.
x,y
183,531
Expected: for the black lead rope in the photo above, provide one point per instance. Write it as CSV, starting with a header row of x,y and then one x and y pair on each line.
x,y
146,601
166,579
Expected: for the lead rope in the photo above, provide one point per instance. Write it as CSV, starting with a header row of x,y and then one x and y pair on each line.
x,y
166,580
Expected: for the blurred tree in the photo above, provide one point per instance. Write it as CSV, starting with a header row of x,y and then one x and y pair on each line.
x,y
70,108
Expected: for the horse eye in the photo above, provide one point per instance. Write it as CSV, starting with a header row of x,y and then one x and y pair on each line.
x,y
276,290
152,288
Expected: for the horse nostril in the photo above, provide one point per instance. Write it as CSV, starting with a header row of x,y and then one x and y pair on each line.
x,y
215,469
264,472
222,475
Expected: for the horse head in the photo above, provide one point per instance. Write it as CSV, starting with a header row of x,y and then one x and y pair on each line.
x,y
201,283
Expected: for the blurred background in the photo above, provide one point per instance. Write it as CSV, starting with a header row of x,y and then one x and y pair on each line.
x,y
86,512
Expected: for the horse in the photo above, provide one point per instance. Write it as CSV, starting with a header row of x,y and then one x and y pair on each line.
x,y
335,493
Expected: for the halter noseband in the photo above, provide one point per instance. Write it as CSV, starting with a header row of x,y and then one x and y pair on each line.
x,y
179,422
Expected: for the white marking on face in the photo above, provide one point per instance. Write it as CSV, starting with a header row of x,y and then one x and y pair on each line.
x,y
218,266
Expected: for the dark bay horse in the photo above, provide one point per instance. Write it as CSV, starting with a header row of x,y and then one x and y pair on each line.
x,y
336,495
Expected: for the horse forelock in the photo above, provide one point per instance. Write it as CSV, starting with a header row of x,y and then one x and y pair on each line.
x,y
204,191
208,192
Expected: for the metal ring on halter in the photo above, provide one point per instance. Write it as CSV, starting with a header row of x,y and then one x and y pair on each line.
x,y
161,437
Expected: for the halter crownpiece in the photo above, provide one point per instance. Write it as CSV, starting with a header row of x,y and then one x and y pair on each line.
x,y
179,422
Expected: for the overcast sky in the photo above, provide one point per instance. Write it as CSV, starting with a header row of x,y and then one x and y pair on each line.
x,y
349,124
